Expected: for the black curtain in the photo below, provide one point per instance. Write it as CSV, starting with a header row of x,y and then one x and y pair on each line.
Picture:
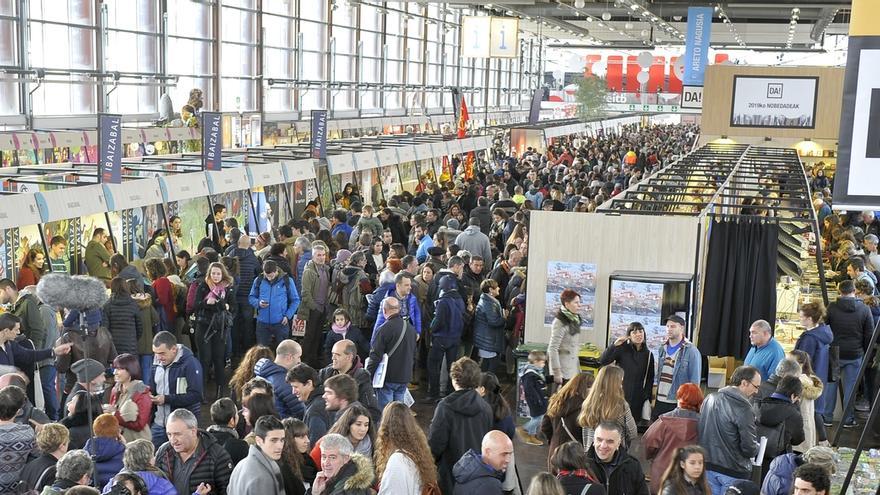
x,y
740,283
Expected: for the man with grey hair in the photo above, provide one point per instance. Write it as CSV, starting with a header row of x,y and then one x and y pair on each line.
x,y
785,367
315,296
192,459
872,259
302,246
396,338
74,468
342,471
766,352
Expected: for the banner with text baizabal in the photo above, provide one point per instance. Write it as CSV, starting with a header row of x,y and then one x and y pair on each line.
x,y
212,141
857,177
110,148
319,134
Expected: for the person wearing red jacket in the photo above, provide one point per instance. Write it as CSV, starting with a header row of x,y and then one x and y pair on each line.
x,y
130,399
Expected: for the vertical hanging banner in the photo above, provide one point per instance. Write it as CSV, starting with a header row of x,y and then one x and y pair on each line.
x,y
110,148
212,141
857,178
535,108
696,52
319,134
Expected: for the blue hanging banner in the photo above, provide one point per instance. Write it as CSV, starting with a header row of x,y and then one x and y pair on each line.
x,y
110,148
696,53
212,139
319,134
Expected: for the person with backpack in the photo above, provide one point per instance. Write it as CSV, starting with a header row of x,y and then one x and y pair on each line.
x,y
275,299
248,271
350,286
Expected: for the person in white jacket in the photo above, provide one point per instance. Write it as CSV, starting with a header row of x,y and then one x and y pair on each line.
x,y
404,463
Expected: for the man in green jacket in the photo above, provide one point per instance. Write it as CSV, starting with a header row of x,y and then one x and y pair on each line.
x,y
97,258
27,307
315,298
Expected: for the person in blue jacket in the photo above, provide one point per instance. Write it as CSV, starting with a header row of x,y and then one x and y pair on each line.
x,y
816,342
177,382
409,305
287,355
276,300
489,322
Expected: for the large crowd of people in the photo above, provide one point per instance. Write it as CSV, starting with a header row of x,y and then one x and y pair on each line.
x,y
289,364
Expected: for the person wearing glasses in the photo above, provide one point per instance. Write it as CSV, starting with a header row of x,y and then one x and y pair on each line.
x,y
728,432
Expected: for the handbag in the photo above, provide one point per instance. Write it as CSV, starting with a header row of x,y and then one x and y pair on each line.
x,y
564,427
382,369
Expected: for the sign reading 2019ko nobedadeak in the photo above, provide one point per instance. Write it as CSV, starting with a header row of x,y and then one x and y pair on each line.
x,y
212,139
110,148
778,102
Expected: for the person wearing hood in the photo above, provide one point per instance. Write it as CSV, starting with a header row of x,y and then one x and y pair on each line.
x,y
130,399
105,448
474,241
534,195
192,459
449,233
122,318
615,468
483,473
345,361
287,355
215,228
119,267
259,472
177,382
460,421
483,214
852,325
350,285
780,475
816,342
779,419
446,330
728,432
343,472
409,304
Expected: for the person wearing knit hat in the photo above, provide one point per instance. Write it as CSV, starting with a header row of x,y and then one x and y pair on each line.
x,y
342,257
89,376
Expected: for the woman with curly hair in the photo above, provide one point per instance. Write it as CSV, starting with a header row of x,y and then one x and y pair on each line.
x,y
404,463
606,402
560,424
245,370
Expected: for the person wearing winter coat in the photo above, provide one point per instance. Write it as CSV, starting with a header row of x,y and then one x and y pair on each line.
x,y
483,214
248,270
564,346
560,424
816,342
214,307
409,305
259,473
346,361
778,409
780,475
728,432
398,339
122,318
489,322
631,353
483,473
211,465
677,428
350,286
474,241
812,390
130,400
446,330
274,297
531,380
460,421
287,355
106,448
177,382
139,458
370,224
615,468
342,471
149,322
342,328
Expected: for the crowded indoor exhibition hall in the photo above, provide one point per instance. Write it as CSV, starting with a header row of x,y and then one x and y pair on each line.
x,y
428,247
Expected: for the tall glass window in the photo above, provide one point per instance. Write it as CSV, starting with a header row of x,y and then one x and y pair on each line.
x,y
238,56
9,100
133,47
279,52
190,47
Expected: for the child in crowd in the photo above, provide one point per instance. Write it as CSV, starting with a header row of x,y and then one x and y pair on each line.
x,y
532,382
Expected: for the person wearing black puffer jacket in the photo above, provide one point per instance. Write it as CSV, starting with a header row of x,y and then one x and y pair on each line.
x,y
631,353
192,459
249,268
780,409
616,469
122,318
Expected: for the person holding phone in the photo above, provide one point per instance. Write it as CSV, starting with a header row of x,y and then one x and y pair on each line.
x,y
631,353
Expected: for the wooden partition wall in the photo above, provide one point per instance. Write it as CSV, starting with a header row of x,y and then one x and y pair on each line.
x,y
718,95
611,242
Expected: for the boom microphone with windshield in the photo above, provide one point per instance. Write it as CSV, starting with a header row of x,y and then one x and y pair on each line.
x,y
79,292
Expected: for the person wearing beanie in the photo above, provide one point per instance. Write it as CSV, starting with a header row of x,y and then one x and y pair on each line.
x,y
446,331
85,400
90,376
780,475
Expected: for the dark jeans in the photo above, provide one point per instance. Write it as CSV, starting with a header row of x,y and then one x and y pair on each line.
x,y
440,348
50,396
661,408
243,330
489,364
212,352
314,339
270,335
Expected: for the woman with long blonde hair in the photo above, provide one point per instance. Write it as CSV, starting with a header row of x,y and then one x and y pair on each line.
x,y
606,402
404,463
245,370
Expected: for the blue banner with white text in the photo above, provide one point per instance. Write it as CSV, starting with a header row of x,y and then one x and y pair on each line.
x,y
319,134
110,148
696,54
212,141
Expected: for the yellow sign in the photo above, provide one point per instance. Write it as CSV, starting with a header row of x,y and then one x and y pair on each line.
x,y
489,37
864,19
